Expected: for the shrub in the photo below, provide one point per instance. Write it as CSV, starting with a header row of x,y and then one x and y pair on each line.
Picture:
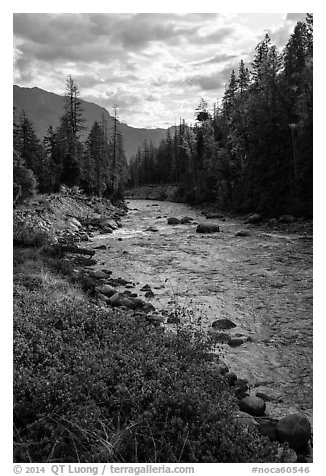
x,y
24,180
94,384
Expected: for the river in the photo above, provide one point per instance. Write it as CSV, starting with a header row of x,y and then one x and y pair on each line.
x,y
262,282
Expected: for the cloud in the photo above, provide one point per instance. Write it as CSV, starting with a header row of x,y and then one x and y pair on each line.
x,y
218,58
296,16
205,82
154,66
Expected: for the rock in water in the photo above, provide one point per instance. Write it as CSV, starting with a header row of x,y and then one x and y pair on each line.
x,y
173,221
255,406
295,429
242,233
185,220
100,247
223,324
255,218
235,342
146,288
207,228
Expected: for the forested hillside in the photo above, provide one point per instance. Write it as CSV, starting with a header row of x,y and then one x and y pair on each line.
x,y
44,109
97,164
254,151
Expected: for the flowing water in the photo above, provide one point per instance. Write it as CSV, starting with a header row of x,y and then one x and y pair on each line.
x,y
262,282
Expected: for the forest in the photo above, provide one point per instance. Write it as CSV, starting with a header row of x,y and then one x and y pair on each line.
x,y
254,151
98,166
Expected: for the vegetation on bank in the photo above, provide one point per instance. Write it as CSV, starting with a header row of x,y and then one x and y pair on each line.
x,y
97,384
254,151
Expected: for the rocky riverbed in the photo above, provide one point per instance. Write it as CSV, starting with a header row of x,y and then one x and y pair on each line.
x,y
259,276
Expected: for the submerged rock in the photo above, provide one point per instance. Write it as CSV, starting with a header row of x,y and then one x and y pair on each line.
x,y
173,221
185,220
207,228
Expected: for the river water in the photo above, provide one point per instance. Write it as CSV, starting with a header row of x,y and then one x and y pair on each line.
x,y
262,282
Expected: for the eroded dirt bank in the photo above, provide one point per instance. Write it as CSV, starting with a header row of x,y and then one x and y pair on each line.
x,y
262,282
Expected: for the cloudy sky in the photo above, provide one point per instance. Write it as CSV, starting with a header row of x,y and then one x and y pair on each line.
x,y
154,66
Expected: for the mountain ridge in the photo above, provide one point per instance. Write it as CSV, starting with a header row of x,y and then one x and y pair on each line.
x,y
45,108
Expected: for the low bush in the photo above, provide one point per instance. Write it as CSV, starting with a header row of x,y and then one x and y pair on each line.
x,y
93,384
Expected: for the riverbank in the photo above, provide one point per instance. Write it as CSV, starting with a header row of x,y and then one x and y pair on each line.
x,y
73,332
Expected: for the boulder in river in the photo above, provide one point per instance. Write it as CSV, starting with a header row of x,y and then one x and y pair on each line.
x,y
100,247
254,218
173,221
146,288
255,406
242,233
152,229
207,228
106,230
223,324
295,429
149,294
185,220
235,342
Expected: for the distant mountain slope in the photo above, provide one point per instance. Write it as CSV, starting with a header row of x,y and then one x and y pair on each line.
x,y
44,109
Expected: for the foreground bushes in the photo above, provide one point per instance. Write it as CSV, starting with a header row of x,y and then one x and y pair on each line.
x,y
97,385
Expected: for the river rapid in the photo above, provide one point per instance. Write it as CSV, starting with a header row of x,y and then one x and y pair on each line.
x,y
262,282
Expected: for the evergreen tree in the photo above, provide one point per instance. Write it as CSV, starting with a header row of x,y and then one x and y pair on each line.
x,y
71,125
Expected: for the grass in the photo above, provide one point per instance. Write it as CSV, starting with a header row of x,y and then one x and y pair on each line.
x,y
95,384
